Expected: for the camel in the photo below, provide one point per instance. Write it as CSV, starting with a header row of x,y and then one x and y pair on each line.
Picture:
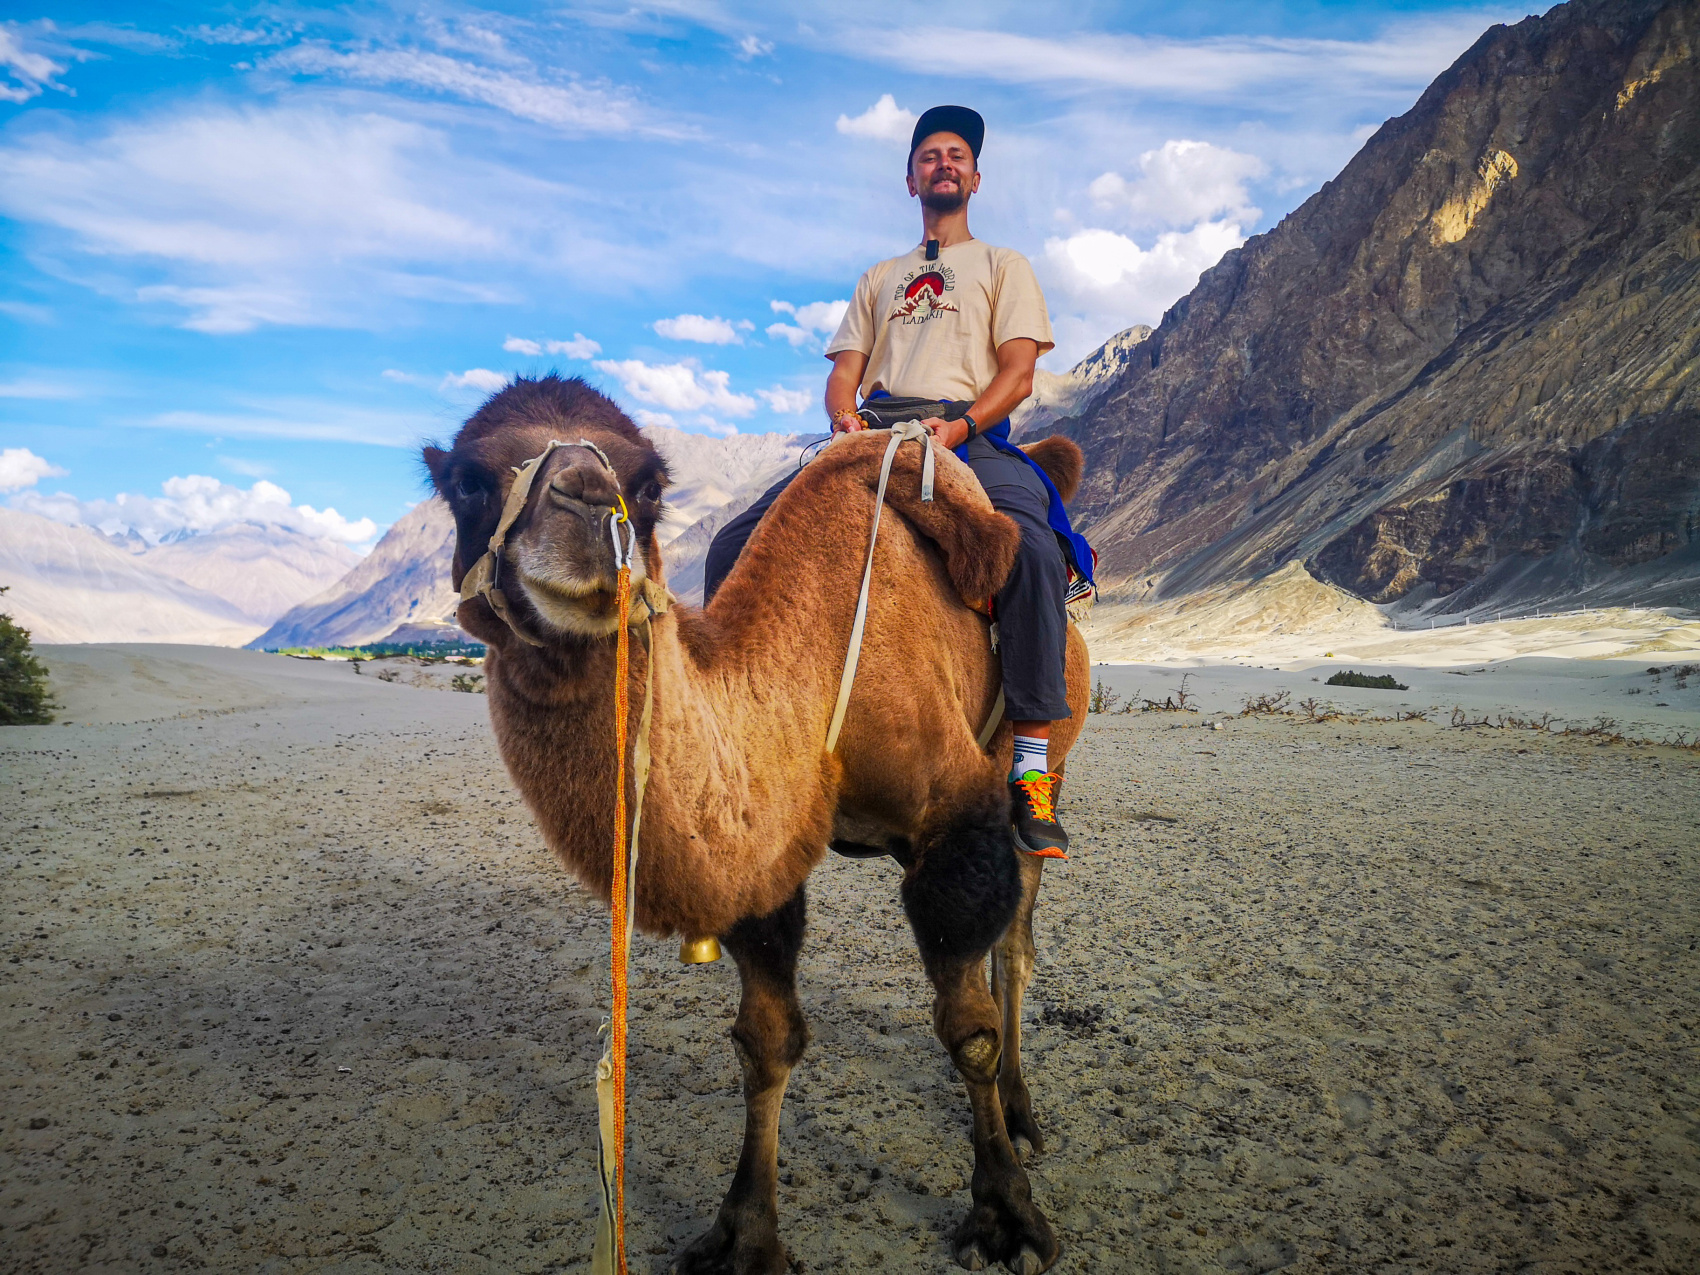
x,y
743,799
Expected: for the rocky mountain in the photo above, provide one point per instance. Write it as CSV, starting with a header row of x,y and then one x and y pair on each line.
x,y
1466,371
262,570
404,581
708,472
70,584
1058,395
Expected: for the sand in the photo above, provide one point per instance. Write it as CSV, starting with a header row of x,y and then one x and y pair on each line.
x,y
291,985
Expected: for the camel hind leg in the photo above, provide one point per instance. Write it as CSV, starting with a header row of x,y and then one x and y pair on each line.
x,y
1012,971
961,891
769,1035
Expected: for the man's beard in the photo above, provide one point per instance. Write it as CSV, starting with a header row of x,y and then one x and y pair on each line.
x,y
945,201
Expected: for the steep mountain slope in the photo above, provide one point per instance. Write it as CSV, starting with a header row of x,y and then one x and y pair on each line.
x,y
1465,370
262,570
70,584
1058,395
708,472
403,581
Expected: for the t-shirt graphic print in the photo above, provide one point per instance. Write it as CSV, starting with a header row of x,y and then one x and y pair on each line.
x,y
920,295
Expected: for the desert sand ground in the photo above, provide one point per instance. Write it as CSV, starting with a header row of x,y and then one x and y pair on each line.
x,y
291,985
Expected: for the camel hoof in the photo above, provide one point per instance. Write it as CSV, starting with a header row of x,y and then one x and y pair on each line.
x,y
971,1257
1027,1262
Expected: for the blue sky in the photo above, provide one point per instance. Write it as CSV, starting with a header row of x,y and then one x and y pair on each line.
x,y
273,247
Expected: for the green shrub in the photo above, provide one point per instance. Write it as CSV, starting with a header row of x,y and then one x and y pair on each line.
x,y
23,680
1383,683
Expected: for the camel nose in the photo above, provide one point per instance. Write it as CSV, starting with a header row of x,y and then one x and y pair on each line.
x,y
584,488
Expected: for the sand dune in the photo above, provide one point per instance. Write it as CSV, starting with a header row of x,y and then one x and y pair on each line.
x,y
299,989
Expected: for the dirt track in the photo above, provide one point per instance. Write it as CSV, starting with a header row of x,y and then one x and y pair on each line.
x,y
290,985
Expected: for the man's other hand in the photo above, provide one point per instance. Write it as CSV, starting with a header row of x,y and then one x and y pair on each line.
x,y
849,423
951,434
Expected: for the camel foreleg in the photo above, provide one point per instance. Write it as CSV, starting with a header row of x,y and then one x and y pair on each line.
x,y
1012,971
769,1035
961,893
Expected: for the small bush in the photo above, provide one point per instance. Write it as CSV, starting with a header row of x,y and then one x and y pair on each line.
x,y
472,683
1384,682
1258,705
1103,700
23,680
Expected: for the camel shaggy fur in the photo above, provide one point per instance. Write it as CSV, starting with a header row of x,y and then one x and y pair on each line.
x,y
743,799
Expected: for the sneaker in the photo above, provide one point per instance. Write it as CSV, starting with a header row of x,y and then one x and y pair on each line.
x,y
1032,813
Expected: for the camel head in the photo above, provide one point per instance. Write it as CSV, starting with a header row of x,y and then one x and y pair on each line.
x,y
557,568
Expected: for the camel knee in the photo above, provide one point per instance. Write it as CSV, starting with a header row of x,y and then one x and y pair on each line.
x,y
977,1057
964,888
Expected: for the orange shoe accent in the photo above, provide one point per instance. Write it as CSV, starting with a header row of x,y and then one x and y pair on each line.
x,y
1050,853
1040,795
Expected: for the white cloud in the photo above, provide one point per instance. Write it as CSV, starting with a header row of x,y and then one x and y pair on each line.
x,y
885,121
197,503
475,378
580,347
27,388
231,33
814,321
571,106
753,47
247,468
705,331
643,416
678,387
1403,57
292,215
305,419
786,402
1100,282
1182,183
29,72
20,468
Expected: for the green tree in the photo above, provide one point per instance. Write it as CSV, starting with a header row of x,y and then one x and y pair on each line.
x,y
23,680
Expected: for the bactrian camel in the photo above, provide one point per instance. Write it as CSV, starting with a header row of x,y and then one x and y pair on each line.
x,y
743,799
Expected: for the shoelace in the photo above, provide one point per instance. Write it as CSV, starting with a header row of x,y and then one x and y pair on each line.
x,y
1040,795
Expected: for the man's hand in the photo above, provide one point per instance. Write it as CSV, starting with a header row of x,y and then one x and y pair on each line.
x,y
848,423
951,434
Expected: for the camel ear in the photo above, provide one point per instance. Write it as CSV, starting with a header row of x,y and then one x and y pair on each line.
x,y
435,459
1062,462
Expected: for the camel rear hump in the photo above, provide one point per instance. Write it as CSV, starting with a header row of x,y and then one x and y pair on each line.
x,y
1063,463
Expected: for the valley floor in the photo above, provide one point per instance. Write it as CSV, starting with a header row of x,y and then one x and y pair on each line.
x,y
290,984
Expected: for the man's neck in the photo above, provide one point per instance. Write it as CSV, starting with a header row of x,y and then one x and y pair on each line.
x,y
950,228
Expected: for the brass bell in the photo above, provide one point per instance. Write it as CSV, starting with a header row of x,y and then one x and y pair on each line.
x,y
702,951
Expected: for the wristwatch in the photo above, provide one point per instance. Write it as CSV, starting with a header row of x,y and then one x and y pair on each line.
x,y
973,427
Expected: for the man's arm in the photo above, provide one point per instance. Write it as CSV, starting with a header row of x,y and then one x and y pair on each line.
x,y
1012,384
841,386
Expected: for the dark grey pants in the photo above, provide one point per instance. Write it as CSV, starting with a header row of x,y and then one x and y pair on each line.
x,y
1032,625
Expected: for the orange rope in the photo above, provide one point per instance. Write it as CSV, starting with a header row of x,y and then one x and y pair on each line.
x,y
618,905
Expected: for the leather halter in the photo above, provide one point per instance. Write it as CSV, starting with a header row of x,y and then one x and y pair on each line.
x,y
484,578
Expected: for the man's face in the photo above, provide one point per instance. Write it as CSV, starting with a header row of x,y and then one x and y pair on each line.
x,y
942,172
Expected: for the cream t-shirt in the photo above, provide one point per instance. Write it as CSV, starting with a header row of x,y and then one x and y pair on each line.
x,y
931,329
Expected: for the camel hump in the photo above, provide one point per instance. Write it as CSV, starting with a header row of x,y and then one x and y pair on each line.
x,y
1062,461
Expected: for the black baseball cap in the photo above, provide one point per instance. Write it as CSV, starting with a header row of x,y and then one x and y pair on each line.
x,y
965,123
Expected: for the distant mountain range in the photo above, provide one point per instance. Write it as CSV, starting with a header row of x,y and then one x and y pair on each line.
x,y
1465,373
73,584
401,592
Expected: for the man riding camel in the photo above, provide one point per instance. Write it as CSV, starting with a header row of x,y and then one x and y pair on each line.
x,y
958,321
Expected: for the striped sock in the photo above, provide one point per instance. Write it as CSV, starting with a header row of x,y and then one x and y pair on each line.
x,y
1030,755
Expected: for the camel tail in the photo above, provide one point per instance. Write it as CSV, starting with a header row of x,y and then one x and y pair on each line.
x,y
1062,462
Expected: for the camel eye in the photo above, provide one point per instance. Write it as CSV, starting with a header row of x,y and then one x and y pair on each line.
x,y
651,491
468,490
